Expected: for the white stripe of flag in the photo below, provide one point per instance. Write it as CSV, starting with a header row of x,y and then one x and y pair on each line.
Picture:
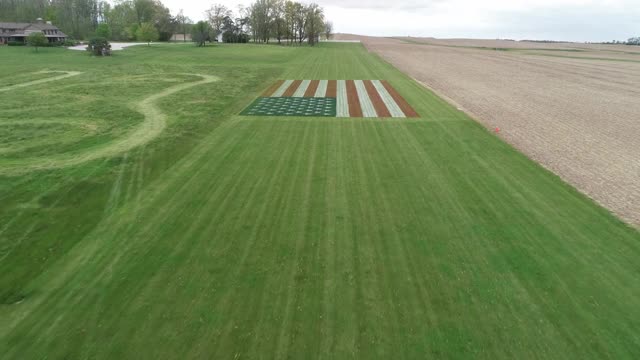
x,y
321,91
302,88
368,110
342,102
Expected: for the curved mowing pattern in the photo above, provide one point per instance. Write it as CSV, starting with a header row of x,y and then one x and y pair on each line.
x,y
65,75
154,123
351,98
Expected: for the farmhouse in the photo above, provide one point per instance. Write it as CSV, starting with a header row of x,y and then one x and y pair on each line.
x,y
19,31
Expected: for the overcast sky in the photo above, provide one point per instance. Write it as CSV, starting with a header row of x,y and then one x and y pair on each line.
x,y
575,20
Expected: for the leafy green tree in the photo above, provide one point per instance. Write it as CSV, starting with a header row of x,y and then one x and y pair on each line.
x,y
200,33
147,32
104,31
121,17
37,39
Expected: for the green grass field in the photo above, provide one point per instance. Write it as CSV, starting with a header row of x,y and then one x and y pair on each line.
x,y
225,237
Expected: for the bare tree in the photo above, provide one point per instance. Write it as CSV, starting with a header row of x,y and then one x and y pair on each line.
x,y
301,21
183,21
279,24
314,23
328,30
290,20
216,15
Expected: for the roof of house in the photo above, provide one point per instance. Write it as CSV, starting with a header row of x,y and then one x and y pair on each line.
x,y
24,29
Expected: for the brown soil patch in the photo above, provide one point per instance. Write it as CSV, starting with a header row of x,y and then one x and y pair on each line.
x,y
311,90
332,88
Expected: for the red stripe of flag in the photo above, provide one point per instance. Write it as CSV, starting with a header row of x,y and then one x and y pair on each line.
x,y
376,99
355,110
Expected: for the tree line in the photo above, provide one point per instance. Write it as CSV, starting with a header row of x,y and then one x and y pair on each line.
x,y
263,21
81,19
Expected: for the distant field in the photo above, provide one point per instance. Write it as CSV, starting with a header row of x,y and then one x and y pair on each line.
x,y
524,45
224,236
571,107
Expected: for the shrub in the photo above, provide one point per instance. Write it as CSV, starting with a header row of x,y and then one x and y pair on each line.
x,y
16,43
99,46
230,37
69,42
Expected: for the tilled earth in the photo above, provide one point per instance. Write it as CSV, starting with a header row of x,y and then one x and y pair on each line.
x,y
578,116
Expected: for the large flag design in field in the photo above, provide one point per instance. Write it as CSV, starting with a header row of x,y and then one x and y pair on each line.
x,y
331,98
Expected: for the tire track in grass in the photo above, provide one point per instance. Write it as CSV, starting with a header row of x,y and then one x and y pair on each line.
x,y
229,302
465,253
10,248
286,301
304,278
112,231
242,195
281,203
393,253
286,286
217,201
368,321
45,320
335,206
155,121
213,197
67,74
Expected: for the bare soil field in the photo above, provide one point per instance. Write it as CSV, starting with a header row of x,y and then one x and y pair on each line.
x,y
577,115
511,44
